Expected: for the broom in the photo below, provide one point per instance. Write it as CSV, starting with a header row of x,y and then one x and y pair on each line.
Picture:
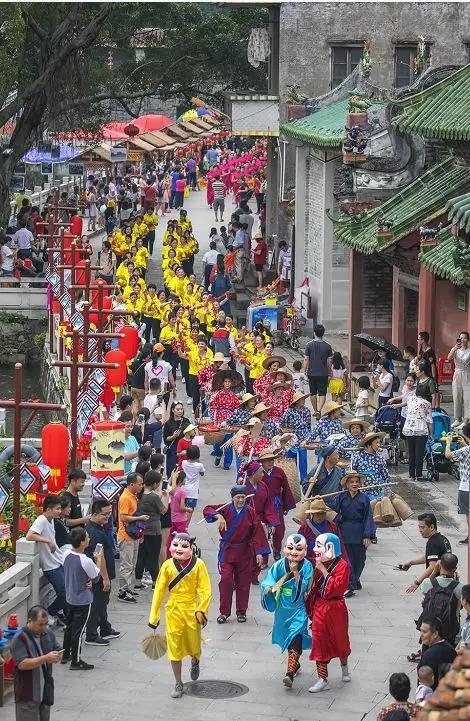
x,y
154,646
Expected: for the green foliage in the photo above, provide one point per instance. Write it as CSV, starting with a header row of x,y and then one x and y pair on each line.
x,y
12,318
40,340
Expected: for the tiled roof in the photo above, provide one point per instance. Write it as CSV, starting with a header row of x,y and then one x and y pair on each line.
x,y
324,127
451,699
420,202
440,260
459,211
441,111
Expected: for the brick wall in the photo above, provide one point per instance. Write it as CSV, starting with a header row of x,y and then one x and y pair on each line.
x,y
377,293
314,215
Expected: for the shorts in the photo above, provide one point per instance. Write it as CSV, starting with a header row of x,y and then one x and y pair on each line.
x,y
336,386
218,204
191,503
462,503
259,267
165,519
318,385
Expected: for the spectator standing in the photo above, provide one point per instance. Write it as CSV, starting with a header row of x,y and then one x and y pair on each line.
x,y
153,503
284,262
317,363
60,524
417,429
464,641
426,386
382,380
131,444
444,605
399,687
50,557
427,353
8,257
260,256
34,649
97,533
460,354
462,457
424,688
193,470
128,545
439,652
209,259
299,379
191,166
218,204
76,484
180,186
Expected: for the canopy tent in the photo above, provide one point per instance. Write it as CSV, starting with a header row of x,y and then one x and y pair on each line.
x,y
35,156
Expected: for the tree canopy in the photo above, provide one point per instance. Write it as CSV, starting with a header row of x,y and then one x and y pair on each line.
x,y
54,74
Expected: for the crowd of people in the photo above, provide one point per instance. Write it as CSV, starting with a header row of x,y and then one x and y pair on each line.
x,y
195,374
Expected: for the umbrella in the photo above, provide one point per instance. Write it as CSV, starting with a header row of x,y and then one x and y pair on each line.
x,y
378,342
221,375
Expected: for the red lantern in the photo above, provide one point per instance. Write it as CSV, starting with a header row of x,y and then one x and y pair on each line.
x,y
76,225
116,377
55,449
55,307
130,343
107,397
56,483
131,130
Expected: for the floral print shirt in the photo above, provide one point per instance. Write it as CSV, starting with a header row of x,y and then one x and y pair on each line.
x,y
374,466
325,428
299,421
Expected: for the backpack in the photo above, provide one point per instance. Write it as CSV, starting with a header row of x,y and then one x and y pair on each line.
x,y
135,529
442,603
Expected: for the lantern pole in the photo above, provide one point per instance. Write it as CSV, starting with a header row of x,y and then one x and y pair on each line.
x,y
18,405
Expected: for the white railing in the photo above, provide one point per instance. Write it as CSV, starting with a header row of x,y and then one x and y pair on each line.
x,y
19,585
38,196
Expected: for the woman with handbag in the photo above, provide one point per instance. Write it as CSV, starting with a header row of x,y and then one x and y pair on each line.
x,y
172,432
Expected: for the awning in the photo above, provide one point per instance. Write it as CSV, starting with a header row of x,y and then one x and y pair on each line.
x,y
420,202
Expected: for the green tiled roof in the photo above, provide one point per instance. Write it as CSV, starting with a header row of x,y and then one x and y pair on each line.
x,y
459,211
421,201
440,260
324,127
441,111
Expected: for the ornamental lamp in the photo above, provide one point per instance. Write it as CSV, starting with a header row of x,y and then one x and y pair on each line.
x,y
55,450
130,343
116,377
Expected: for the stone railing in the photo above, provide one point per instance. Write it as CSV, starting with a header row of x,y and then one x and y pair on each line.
x,y
38,196
20,584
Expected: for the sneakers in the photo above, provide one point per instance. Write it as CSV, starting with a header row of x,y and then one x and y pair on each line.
x,y
177,691
126,597
97,642
464,541
288,680
81,666
195,669
320,685
345,676
140,586
217,460
112,634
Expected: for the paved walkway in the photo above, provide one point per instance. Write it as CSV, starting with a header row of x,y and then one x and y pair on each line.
x,y
125,684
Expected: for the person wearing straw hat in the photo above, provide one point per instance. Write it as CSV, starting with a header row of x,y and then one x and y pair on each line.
x,y
243,413
356,524
241,537
277,400
329,424
261,433
328,477
368,461
185,578
206,374
271,365
280,494
318,523
222,405
283,592
298,419
355,429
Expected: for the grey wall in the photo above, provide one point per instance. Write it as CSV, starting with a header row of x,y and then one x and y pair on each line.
x,y
306,29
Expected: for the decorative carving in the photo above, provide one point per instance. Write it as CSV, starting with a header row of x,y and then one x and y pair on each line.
x,y
429,236
461,254
355,145
421,56
357,103
384,227
343,182
295,96
366,62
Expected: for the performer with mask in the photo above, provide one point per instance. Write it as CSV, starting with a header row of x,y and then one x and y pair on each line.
x,y
280,494
241,537
185,578
318,523
284,590
328,610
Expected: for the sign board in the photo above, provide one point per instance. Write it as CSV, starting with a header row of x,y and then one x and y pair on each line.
x,y
118,155
76,169
17,183
20,169
46,168
135,156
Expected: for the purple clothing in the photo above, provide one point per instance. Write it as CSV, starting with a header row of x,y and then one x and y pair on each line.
x,y
191,165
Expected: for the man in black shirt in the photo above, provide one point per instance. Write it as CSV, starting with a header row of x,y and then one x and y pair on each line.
x,y
77,479
426,352
60,524
100,513
439,653
436,546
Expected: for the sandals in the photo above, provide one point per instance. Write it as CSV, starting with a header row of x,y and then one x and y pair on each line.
x,y
222,618
241,617
414,657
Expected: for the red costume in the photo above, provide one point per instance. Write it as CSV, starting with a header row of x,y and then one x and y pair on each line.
x,y
310,531
222,405
283,501
262,383
329,613
264,508
243,536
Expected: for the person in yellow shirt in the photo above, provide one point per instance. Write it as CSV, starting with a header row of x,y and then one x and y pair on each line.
x,y
184,221
142,256
148,308
134,303
133,287
179,283
122,272
231,328
199,358
168,232
256,362
169,338
161,310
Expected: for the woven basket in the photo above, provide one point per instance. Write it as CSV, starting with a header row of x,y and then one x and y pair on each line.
x,y
401,507
212,437
289,467
377,511
387,510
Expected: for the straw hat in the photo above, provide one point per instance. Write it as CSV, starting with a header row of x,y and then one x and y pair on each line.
x,y
260,408
330,407
298,396
318,505
246,397
258,236
267,454
356,422
351,474
279,384
189,428
267,363
219,358
288,376
370,437
251,423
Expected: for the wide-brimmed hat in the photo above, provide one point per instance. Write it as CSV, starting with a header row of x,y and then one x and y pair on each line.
x,y
351,474
267,363
318,505
260,408
370,437
330,407
356,422
247,397
219,358
251,423
188,429
278,384
288,375
298,396
267,454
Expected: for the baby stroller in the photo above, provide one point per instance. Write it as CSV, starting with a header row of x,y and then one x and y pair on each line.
x,y
436,462
387,420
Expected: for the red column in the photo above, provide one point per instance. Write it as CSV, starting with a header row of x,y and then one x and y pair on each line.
x,y
355,304
398,310
427,289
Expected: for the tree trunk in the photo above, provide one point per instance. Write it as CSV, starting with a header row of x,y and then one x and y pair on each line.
x,y
6,174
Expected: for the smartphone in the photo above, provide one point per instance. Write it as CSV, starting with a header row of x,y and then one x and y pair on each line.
x,y
98,549
141,418
164,485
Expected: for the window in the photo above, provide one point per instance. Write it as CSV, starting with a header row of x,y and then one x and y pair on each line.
x,y
404,65
343,61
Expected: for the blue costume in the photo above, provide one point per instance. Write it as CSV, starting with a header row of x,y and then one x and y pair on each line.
x,y
324,428
374,467
299,421
355,523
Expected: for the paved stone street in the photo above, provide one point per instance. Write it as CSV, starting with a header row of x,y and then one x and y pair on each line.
x,y
125,684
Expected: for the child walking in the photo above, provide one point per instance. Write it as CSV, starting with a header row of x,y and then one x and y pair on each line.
x,y
338,378
193,470
300,380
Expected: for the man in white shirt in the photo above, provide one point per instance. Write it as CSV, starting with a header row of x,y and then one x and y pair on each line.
x,y
24,239
50,556
7,257
209,259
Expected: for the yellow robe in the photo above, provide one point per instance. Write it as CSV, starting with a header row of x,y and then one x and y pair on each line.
x,y
192,594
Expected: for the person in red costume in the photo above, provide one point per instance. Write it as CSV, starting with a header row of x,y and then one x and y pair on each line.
x,y
280,494
328,611
318,523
